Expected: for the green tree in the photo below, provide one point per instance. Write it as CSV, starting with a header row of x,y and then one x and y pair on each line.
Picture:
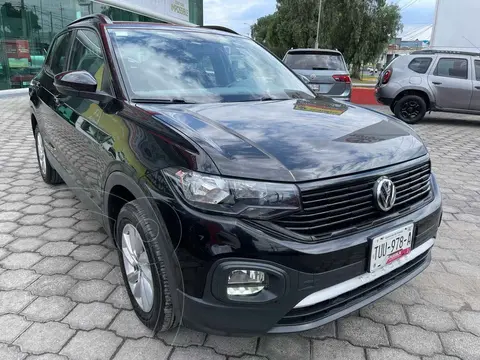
x,y
18,22
360,29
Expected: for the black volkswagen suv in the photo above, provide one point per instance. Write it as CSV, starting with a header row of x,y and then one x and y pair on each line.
x,y
240,202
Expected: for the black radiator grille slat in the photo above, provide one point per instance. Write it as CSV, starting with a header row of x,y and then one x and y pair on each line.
x,y
350,206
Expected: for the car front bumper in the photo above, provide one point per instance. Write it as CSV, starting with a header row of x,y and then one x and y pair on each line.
x,y
319,282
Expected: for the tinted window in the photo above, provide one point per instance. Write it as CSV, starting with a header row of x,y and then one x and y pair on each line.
x,y
457,68
308,60
477,69
87,54
59,53
201,67
420,65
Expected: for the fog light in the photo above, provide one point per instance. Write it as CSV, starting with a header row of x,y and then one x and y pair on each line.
x,y
246,282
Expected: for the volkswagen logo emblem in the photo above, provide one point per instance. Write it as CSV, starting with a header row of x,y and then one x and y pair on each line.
x,y
313,76
384,193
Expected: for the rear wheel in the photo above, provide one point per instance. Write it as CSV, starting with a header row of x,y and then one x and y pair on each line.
x,y
49,174
143,268
410,109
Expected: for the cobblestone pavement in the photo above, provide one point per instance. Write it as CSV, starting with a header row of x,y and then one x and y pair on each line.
x,y
62,296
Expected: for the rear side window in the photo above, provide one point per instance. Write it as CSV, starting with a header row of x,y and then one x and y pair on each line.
x,y
318,60
420,65
477,69
452,67
58,54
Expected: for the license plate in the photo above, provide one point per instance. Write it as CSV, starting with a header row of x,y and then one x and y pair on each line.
x,y
390,246
315,87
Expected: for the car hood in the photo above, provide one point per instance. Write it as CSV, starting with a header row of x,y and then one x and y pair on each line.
x,y
293,140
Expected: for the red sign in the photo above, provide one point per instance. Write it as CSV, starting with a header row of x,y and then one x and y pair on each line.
x,y
17,49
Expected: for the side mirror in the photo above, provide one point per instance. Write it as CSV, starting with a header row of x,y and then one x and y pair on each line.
x,y
80,83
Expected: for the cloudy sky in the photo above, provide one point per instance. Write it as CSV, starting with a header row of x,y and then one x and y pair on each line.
x,y
240,14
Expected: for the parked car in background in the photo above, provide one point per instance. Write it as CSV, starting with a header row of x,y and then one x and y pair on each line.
x,y
240,202
431,80
326,71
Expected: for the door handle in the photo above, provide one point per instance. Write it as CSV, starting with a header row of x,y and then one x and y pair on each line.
x,y
436,83
477,87
58,100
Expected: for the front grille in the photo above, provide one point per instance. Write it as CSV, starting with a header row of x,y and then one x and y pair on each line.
x,y
346,207
349,299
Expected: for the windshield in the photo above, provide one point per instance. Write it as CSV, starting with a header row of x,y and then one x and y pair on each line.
x,y
308,60
197,66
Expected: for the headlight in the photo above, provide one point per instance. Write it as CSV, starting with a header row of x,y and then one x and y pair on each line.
x,y
253,199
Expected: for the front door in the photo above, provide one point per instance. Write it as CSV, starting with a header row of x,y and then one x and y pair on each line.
x,y
451,83
475,102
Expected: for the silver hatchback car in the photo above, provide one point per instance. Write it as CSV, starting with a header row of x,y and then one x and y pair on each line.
x,y
431,80
325,70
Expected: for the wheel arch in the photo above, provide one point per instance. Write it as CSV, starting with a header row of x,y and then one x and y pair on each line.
x,y
423,94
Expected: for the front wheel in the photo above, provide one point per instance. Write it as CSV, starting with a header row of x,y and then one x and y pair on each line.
x,y
143,268
410,109
49,174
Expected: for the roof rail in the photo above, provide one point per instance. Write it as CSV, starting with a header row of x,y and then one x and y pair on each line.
x,y
100,17
434,51
219,28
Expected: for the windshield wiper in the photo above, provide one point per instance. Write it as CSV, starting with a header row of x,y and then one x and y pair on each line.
x,y
163,101
298,94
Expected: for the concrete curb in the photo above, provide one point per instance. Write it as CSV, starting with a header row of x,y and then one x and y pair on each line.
x,y
13,92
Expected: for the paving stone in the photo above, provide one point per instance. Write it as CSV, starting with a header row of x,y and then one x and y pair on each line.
x,y
84,215
5,239
25,244
16,197
284,347
64,194
59,234
17,279
3,253
50,285
462,268
388,353
10,215
385,312
229,345
455,283
59,248
321,332
194,353
11,326
430,318
443,299
143,349
112,258
30,231
15,206
91,316
248,357
7,227
38,219
44,337
115,276
441,357
62,212
38,200
42,191
36,209
332,349
54,265
464,345
61,222
468,321
127,324
87,225
48,308
182,336
90,270
89,238
89,345
24,260
14,301
47,357
119,298
64,203
91,290
362,332
414,339
89,252
9,352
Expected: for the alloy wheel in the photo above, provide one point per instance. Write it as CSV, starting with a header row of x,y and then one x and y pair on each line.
x,y
42,160
410,109
137,267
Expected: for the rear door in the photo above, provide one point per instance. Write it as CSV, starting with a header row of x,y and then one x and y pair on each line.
x,y
475,102
451,83
325,70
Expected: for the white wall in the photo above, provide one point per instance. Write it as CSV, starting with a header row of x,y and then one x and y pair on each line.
x,y
457,25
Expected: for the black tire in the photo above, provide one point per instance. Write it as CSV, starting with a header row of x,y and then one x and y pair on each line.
x,y
410,109
161,315
49,174
392,108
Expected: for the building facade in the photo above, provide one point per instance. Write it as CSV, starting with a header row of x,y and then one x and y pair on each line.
x,y
27,27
